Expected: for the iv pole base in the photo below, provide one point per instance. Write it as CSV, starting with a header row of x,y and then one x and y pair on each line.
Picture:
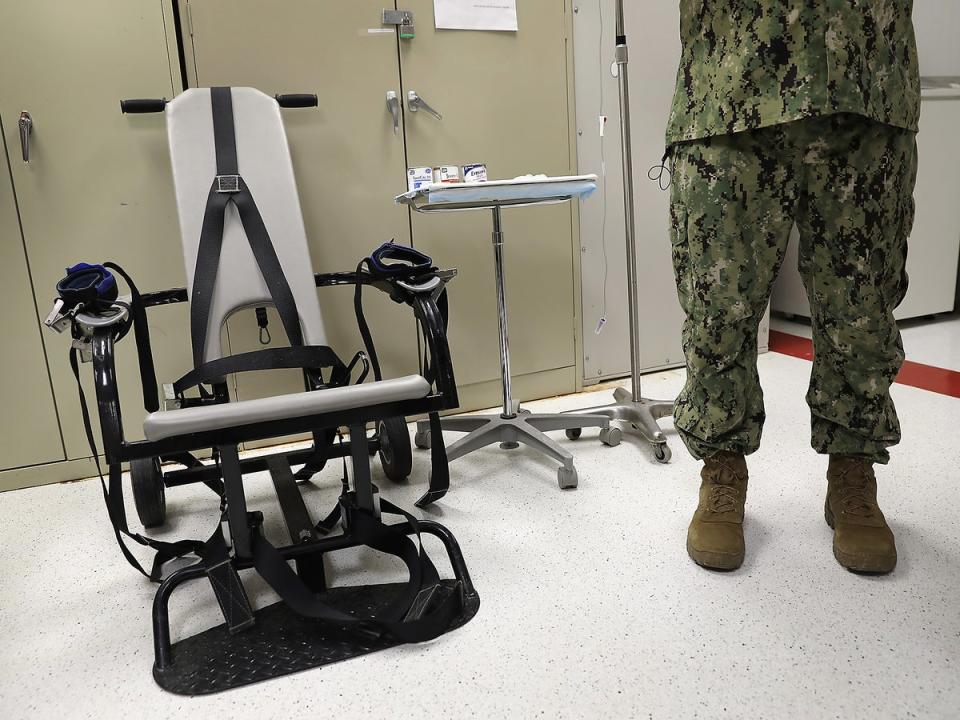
x,y
629,406
642,415
522,428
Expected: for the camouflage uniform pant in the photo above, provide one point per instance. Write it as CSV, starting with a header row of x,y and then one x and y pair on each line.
x,y
848,183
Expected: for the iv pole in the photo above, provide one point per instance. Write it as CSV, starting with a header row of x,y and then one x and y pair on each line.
x,y
630,406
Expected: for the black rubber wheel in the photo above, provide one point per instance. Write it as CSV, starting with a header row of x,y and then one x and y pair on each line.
x,y
395,453
574,433
148,491
662,454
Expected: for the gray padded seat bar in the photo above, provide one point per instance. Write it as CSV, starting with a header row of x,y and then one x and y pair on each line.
x,y
169,423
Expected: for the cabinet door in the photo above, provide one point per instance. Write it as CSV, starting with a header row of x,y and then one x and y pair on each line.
x,y
31,433
348,160
98,184
516,122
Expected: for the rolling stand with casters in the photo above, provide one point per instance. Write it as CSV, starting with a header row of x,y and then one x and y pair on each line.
x,y
629,406
512,426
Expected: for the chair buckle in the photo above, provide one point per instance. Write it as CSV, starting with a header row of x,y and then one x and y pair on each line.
x,y
228,183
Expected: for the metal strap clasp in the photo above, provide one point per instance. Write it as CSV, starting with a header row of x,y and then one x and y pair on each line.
x,y
228,183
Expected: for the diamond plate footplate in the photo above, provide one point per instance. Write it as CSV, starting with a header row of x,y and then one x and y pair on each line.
x,y
282,642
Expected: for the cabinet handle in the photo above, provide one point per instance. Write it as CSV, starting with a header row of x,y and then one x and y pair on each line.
x,y
415,103
26,128
393,105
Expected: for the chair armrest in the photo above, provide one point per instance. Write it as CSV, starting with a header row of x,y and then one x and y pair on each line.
x,y
425,307
164,297
387,286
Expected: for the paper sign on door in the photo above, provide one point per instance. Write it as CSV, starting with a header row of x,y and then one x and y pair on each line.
x,y
475,14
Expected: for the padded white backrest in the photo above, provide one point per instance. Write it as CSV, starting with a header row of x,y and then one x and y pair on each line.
x,y
263,159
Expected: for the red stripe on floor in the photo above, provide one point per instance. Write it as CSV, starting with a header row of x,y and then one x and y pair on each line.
x,y
794,345
918,375
928,377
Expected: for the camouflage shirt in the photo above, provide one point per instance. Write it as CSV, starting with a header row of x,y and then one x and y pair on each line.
x,y
748,64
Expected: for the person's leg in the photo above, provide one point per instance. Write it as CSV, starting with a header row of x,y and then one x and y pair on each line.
x,y
731,209
732,204
856,213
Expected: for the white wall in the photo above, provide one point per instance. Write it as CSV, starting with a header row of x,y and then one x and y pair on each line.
x,y
937,23
653,33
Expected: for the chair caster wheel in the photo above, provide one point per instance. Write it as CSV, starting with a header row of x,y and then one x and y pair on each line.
x,y
567,477
662,453
573,433
611,436
395,455
422,439
149,495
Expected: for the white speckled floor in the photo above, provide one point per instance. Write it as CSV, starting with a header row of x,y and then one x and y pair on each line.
x,y
590,607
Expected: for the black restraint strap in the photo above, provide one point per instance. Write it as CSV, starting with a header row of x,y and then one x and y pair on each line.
x,y
304,356
367,336
429,372
362,325
113,498
226,583
224,131
409,618
440,469
440,466
228,187
322,444
141,332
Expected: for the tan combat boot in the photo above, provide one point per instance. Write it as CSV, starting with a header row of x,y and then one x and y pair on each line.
x,y
862,541
715,537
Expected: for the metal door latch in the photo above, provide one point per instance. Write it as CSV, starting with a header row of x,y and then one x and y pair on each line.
x,y
26,128
393,105
415,103
402,19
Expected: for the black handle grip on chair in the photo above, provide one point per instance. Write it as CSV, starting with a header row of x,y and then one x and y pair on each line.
x,y
143,105
297,100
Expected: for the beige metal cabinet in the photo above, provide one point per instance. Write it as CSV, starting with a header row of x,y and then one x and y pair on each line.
x,y
498,110
348,160
31,433
350,164
97,186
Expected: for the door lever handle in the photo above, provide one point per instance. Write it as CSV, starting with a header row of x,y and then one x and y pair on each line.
x,y
416,103
393,105
26,128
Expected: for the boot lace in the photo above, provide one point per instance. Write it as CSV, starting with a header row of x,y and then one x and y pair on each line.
x,y
724,493
854,493
723,498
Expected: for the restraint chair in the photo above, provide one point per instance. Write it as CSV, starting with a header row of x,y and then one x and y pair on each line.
x,y
245,246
